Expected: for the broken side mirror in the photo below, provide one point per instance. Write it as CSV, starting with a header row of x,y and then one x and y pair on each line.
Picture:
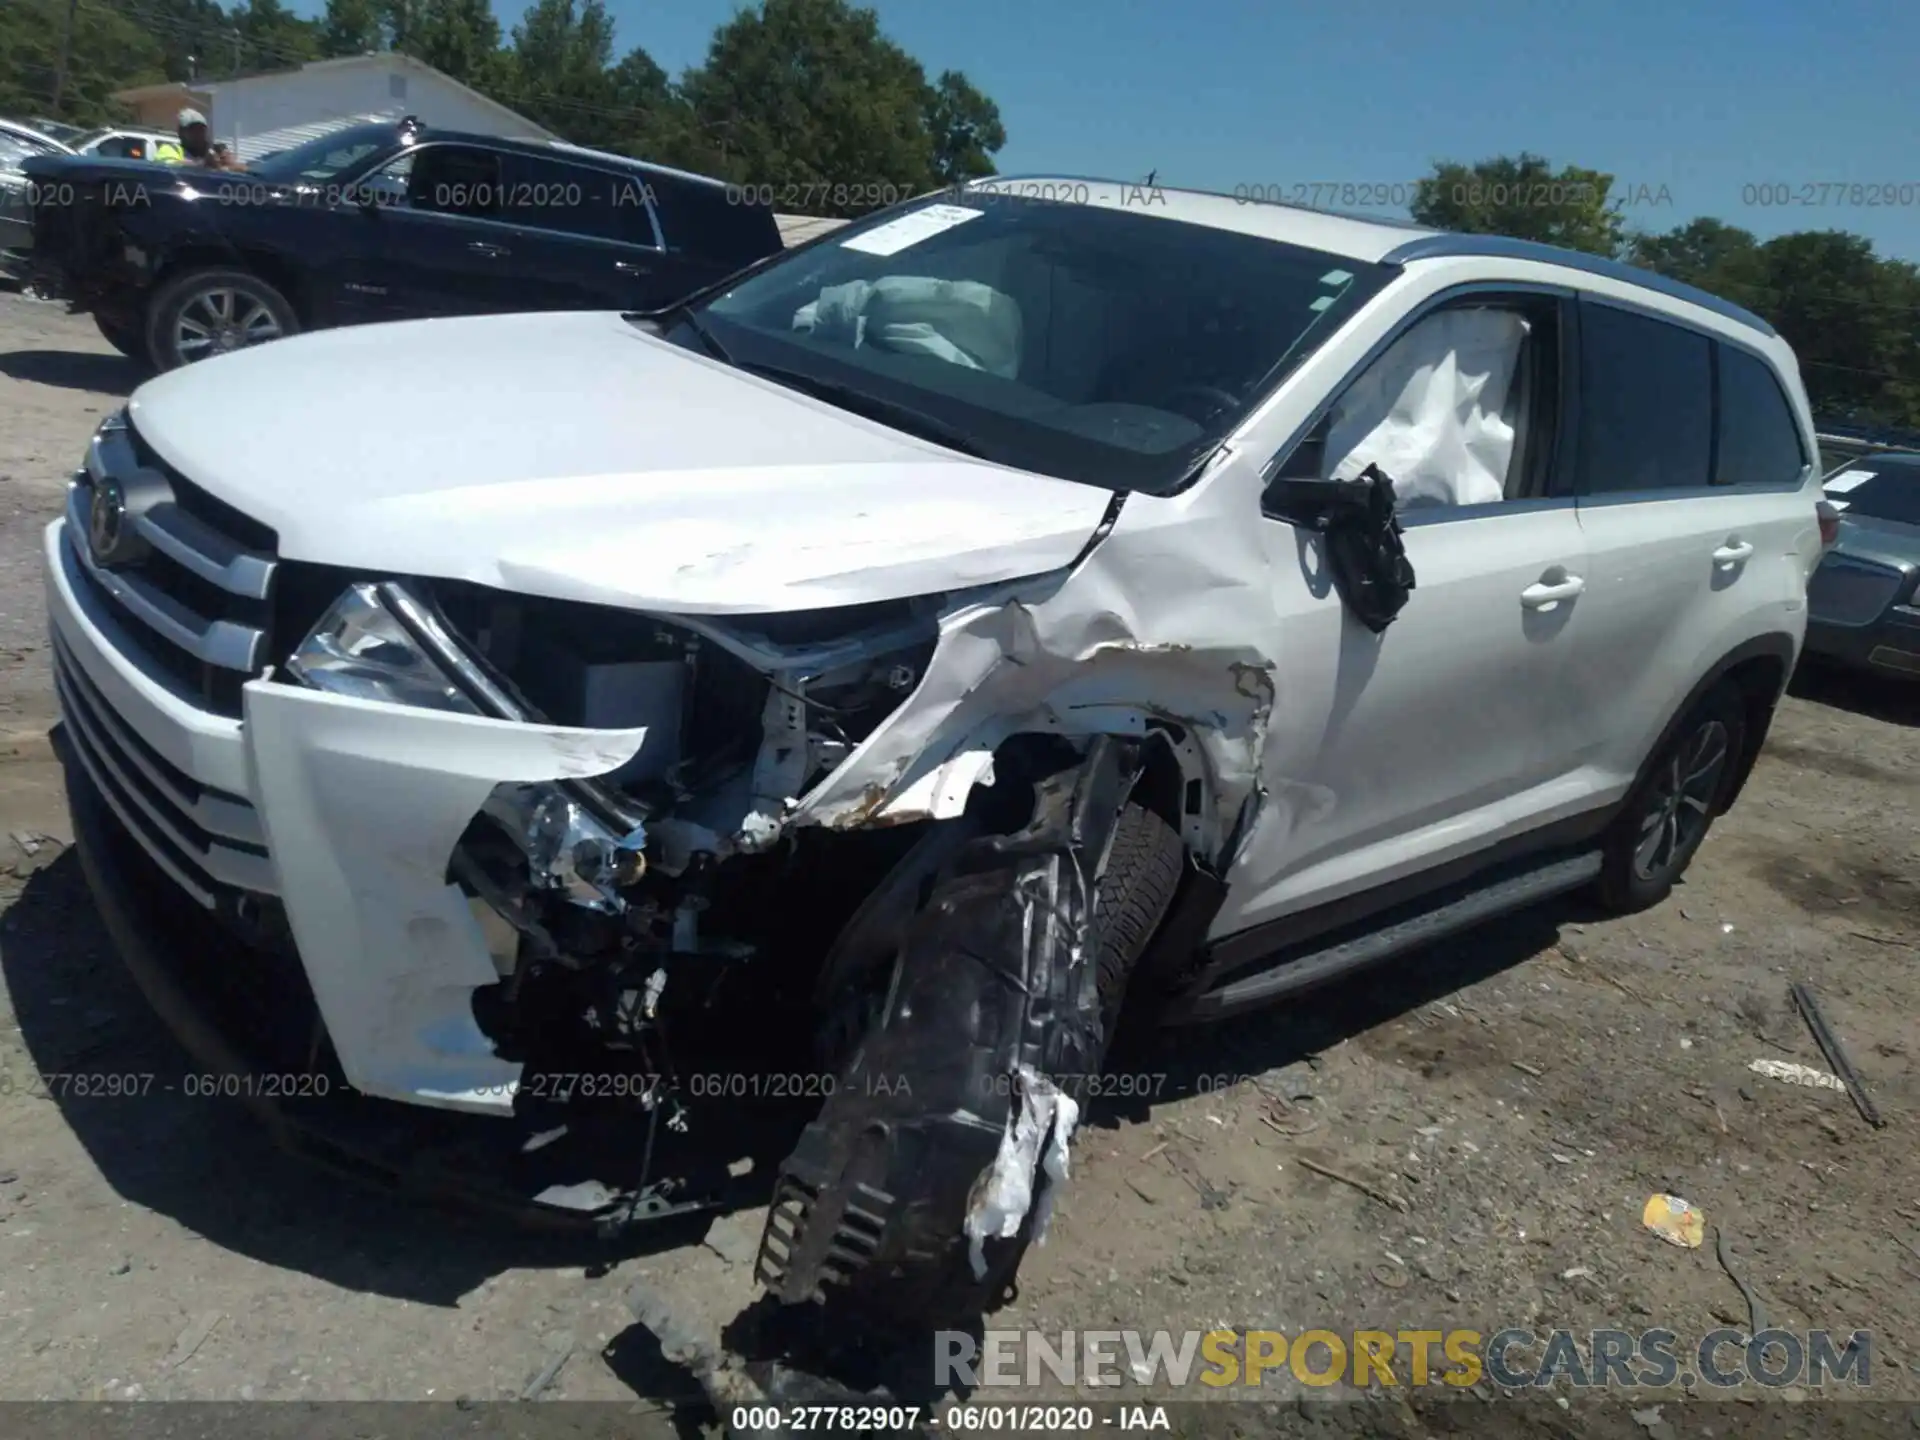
x,y
1356,520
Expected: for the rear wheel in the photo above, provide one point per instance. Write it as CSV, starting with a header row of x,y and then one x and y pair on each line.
x,y
870,1211
214,312
1667,815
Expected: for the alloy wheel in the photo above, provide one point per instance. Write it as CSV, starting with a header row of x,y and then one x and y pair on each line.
x,y
219,320
1681,803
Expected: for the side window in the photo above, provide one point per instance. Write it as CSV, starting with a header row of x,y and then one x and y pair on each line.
x,y
1759,441
122,147
1461,409
570,199
1646,403
714,222
455,180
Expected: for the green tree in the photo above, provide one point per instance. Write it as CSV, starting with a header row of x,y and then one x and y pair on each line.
x,y
1850,316
353,27
1706,252
110,52
458,37
558,70
965,127
271,37
809,98
1524,197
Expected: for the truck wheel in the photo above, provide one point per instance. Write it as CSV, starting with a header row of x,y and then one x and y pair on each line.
x,y
987,984
124,336
1677,798
214,312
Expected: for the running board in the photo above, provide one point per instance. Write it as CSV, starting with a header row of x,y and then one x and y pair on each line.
x,y
1318,966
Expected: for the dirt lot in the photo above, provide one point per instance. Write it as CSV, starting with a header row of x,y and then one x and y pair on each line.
x,y
1520,1093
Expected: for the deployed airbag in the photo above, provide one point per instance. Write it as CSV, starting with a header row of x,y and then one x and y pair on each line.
x,y
960,321
1429,412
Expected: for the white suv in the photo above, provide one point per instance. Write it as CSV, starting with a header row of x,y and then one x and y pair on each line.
x,y
864,676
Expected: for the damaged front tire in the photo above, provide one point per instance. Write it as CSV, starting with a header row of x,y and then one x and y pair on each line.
x,y
914,1195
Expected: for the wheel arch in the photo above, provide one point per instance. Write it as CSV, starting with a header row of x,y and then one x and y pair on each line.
x,y
1758,670
262,263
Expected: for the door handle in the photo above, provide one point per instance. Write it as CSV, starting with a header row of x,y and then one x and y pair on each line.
x,y
632,267
1542,593
488,249
1733,552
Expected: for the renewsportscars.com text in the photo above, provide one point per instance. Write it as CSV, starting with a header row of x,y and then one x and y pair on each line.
x,y
1512,1359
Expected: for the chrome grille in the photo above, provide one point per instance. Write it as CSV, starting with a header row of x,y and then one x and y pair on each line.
x,y
198,593
206,839
1846,591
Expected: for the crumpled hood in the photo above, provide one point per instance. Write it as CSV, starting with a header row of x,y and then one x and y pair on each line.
x,y
575,456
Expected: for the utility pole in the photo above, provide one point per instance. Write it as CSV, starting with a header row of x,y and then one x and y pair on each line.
x,y
66,56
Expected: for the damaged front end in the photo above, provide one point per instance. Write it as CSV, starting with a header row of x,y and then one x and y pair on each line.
x,y
600,795
606,872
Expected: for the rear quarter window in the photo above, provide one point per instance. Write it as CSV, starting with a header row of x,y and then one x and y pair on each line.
x,y
712,222
1759,441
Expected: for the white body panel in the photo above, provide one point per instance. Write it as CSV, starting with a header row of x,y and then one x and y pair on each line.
x,y
591,462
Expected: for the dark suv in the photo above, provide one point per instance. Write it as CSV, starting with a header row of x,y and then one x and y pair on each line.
x,y
384,221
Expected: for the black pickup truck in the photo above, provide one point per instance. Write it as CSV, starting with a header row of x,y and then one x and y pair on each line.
x,y
384,221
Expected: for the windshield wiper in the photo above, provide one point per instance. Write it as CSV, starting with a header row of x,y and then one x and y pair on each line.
x,y
657,322
707,337
874,407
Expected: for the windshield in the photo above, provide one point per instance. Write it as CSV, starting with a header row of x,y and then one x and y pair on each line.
x,y
326,157
1083,341
13,151
1879,487
18,144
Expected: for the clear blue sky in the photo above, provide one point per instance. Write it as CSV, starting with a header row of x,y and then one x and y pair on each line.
x,y
1702,97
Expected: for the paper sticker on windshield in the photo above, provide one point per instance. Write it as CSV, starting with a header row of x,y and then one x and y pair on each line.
x,y
1847,480
896,235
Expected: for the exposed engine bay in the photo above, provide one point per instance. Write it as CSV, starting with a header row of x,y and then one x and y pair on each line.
x,y
657,912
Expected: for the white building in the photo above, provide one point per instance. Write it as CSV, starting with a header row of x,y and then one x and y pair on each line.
x,y
314,97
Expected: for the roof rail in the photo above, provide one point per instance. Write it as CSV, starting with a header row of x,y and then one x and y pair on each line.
x,y
1392,222
1438,247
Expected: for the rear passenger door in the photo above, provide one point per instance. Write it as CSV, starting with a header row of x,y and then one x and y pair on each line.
x,y
444,249
587,237
1691,473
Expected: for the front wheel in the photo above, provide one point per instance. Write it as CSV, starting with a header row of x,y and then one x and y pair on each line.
x,y
998,1001
122,335
1667,815
214,312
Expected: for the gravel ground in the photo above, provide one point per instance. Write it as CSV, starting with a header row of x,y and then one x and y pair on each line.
x,y
1515,1097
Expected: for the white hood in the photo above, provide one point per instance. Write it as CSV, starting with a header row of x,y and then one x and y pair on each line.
x,y
574,456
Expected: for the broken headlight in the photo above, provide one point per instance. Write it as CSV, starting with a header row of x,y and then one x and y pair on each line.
x,y
362,647
377,642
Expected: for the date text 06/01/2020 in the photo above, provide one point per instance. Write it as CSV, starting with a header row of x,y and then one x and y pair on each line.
x,y
965,1419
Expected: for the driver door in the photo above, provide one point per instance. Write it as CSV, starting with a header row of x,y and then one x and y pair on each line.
x,y
1389,754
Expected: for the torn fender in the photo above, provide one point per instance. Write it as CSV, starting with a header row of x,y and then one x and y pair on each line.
x,y
1013,667
362,804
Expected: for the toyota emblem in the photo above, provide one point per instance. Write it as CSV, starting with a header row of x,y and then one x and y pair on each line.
x,y
106,520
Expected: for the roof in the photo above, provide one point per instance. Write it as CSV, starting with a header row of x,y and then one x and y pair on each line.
x,y
570,148
1356,237
267,142
163,90
383,60
1437,246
